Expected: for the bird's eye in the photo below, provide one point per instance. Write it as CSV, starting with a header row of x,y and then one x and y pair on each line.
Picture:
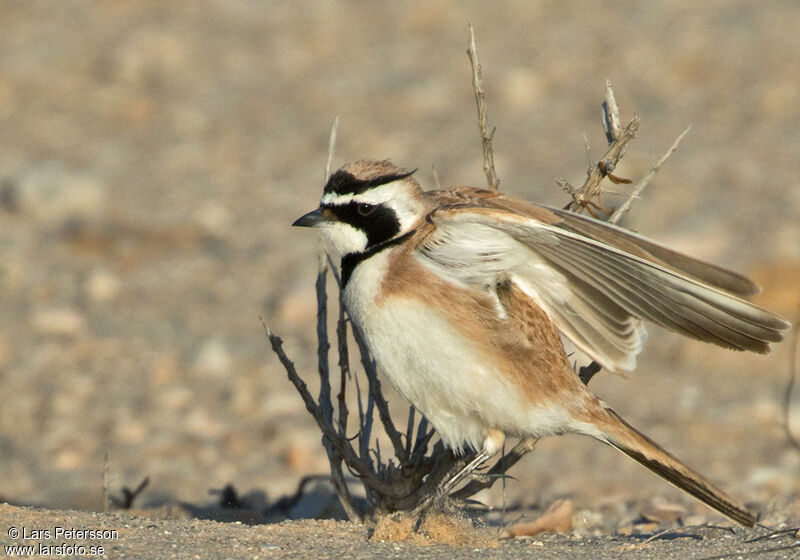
x,y
365,209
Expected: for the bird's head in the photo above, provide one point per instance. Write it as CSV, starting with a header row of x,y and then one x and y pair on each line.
x,y
366,203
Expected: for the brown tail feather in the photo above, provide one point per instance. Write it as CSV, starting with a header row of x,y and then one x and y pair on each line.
x,y
641,448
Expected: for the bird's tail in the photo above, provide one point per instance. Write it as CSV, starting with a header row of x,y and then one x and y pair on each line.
x,y
641,448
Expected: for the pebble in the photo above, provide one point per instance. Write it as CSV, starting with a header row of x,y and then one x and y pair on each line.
x,y
60,321
213,217
214,358
102,286
50,191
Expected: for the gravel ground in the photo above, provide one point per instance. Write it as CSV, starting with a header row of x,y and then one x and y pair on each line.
x,y
148,537
154,153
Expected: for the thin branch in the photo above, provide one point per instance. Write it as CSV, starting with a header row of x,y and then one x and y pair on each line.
x,y
129,496
775,534
331,146
588,153
342,446
277,347
647,179
323,346
364,424
335,444
611,122
106,496
335,272
424,436
486,136
565,185
669,531
410,429
344,368
591,188
339,483
749,553
366,429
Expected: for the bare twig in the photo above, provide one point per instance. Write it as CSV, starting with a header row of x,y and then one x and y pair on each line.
x,y
565,185
486,136
647,179
611,122
775,534
335,272
617,138
323,345
591,188
749,553
424,436
344,368
342,446
129,496
331,146
364,424
787,394
670,531
588,153
410,428
106,496
325,405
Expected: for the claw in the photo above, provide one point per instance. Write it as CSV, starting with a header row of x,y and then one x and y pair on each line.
x,y
487,477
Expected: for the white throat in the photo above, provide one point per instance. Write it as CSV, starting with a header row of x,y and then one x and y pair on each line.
x,y
344,238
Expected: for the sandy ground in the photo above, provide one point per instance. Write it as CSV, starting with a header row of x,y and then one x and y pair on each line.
x,y
153,155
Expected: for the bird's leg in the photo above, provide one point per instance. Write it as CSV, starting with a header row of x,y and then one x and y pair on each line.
x,y
491,445
447,486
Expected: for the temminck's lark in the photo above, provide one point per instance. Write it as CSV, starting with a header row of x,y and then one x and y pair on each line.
x,y
464,297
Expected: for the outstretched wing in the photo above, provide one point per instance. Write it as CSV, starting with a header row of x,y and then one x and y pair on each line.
x,y
595,281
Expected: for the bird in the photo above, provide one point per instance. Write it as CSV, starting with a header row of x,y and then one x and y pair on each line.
x,y
468,301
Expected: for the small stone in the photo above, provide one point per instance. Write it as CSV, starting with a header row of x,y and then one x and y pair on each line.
x,y
557,519
52,192
102,286
214,218
662,512
213,358
62,321
69,458
694,520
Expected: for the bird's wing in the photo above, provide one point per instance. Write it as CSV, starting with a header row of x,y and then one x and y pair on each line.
x,y
596,282
639,246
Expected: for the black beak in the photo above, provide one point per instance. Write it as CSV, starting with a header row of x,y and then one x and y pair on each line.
x,y
312,219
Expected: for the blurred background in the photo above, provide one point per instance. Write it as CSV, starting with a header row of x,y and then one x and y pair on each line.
x,y
153,155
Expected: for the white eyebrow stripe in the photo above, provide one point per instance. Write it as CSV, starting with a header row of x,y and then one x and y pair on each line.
x,y
334,199
376,195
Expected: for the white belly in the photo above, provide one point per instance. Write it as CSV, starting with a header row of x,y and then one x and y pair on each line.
x,y
430,363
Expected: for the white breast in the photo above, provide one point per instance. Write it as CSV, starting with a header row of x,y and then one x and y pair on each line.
x,y
429,362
